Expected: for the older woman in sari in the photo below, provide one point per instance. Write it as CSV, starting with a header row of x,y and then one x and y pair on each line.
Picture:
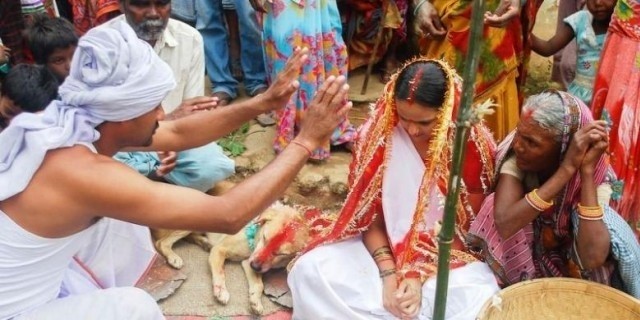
x,y
550,216
379,258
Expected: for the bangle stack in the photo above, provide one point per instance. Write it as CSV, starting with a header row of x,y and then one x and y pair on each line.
x,y
537,203
590,213
382,254
387,272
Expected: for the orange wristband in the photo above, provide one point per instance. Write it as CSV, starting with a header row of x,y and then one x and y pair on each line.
x,y
298,143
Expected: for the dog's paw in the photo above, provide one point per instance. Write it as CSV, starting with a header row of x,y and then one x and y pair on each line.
x,y
175,261
256,307
221,294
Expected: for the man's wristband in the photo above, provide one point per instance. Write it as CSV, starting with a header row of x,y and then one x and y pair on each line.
x,y
298,143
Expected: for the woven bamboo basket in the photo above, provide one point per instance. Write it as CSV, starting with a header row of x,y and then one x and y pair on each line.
x,y
560,298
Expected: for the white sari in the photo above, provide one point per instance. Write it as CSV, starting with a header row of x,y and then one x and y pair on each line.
x,y
341,280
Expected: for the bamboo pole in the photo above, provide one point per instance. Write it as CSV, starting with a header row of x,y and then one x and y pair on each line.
x,y
376,44
445,237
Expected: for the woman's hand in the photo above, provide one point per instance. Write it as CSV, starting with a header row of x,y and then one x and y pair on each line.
x,y
582,141
409,297
598,146
507,10
428,22
389,291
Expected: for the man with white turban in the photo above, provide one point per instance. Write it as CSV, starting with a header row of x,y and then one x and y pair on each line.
x,y
59,186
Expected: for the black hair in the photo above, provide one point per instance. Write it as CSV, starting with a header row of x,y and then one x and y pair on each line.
x,y
46,34
431,84
30,87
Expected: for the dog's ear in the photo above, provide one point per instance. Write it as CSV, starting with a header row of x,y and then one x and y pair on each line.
x,y
266,216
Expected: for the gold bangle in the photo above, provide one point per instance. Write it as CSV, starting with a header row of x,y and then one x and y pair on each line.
x,y
590,218
590,212
531,203
387,272
381,250
538,203
389,258
382,256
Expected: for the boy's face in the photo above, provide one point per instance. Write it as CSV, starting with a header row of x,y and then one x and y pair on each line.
x,y
59,62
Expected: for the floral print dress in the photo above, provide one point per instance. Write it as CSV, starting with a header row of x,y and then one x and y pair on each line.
x,y
314,24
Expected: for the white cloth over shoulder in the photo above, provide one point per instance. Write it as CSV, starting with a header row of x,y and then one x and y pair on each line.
x,y
114,77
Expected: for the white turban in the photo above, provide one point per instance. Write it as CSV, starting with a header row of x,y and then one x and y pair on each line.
x,y
114,77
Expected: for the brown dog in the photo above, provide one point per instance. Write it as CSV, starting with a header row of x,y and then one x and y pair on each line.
x,y
271,241
165,239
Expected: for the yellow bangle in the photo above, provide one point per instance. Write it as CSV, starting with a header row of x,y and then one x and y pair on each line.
x,y
536,202
590,212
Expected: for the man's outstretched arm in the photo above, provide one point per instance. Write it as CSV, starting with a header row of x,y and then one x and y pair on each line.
x,y
166,206
206,126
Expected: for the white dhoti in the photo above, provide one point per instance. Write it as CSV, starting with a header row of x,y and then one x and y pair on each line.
x,y
341,281
118,254
114,303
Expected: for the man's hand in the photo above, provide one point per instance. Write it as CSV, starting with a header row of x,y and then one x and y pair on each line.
x,y
167,163
192,105
286,83
507,10
428,22
326,111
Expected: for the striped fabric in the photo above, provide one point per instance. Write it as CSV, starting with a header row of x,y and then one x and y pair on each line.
x,y
32,6
624,249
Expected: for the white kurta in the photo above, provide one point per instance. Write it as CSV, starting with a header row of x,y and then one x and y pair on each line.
x,y
341,280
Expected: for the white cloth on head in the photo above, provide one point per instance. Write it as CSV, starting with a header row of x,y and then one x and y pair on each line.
x,y
114,77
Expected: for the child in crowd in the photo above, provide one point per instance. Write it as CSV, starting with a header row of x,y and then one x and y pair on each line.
x,y
52,42
26,88
589,27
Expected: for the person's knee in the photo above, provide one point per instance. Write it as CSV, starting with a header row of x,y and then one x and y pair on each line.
x,y
306,268
138,303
